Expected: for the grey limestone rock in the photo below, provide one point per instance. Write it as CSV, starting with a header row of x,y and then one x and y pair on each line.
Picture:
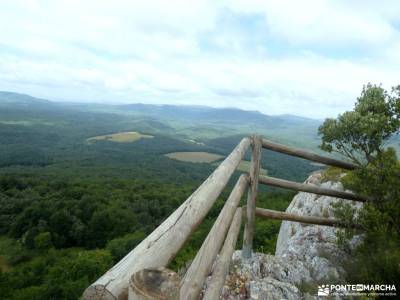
x,y
306,255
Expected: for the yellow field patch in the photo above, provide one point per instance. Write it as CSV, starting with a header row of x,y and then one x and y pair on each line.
x,y
194,157
206,157
4,265
121,137
244,166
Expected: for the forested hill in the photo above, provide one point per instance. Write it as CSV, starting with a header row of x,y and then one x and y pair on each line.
x,y
81,185
10,98
196,121
218,115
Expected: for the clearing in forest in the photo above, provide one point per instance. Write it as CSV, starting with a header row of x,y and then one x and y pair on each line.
x,y
207,157
120,137
4,267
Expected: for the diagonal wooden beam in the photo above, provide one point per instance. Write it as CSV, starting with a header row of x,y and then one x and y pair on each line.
x,y
161,246
195,276
223,261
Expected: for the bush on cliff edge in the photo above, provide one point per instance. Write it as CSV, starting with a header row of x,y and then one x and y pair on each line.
x,y
362,136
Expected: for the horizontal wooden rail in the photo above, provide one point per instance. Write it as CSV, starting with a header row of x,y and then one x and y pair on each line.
x,y
307,155
221,268
162,245
286,184
195,276
279,215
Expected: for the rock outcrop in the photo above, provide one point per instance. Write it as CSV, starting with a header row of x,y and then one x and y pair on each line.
x,y
306,255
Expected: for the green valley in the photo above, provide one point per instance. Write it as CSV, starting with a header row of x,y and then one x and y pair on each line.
x,y
81,185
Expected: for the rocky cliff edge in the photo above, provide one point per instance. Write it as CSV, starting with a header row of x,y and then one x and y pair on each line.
x,y
306,255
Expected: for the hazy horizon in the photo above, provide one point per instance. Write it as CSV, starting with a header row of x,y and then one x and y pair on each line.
x,y
82,102
308,59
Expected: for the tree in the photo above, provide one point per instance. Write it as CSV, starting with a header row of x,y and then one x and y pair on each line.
x,y
362,134
43,241
120,246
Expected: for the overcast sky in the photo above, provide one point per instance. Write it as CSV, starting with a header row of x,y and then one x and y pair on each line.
x,y
309,58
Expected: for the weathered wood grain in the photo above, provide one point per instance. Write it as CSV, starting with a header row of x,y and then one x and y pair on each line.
x,y
307,155
279,215
251,198
154,284
309,188
162,245
221,268
201,266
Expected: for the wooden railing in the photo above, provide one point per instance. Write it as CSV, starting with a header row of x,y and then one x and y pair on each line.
x,y
141,274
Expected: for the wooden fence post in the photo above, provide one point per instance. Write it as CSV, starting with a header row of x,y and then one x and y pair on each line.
x,y
154,284
251,197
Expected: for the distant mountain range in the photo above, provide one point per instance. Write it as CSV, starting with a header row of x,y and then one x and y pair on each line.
x,y
11,98
218,115
196,114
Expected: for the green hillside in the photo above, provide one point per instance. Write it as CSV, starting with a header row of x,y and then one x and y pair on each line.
x,y
70,209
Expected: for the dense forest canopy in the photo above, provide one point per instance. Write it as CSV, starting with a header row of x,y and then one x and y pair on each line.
x,y
70,208
73,204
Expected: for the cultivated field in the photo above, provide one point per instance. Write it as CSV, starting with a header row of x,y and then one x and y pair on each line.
x,y
121,137
206,157
195,157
